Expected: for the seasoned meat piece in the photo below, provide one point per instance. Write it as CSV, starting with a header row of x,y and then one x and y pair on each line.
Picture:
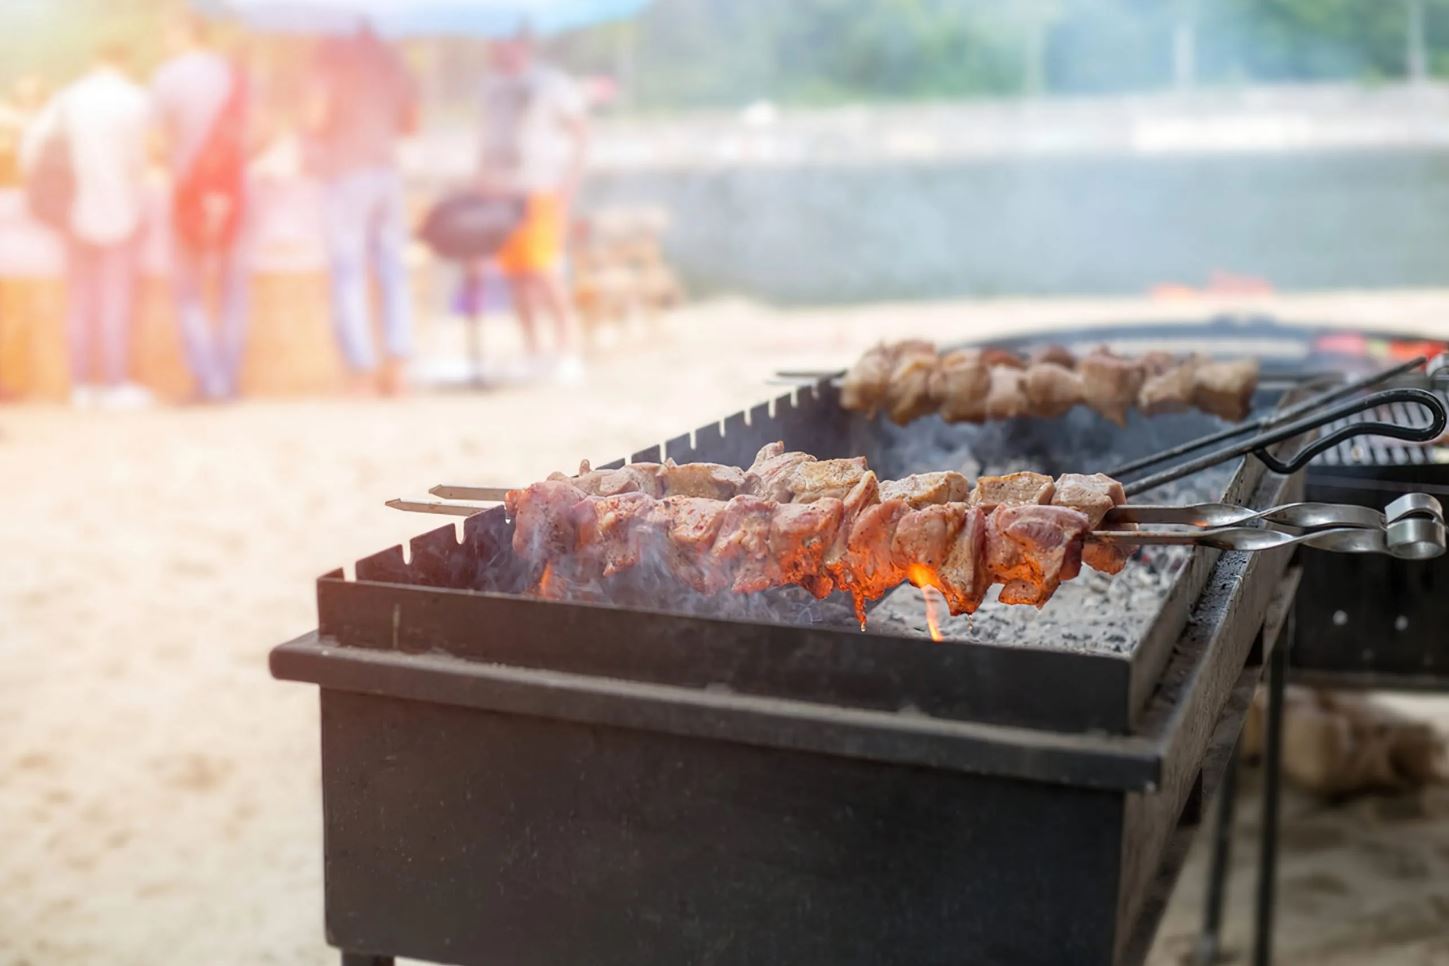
x,y
800,536
741,554
634,478
1110,384
1170,390
613,530
868,559
925,489
926,536
959,386
1226,388
1156,363
1002,358
543,519
1052,353
815,479
712,480
1014,488
864,387
1006,398
1032,549
1094,495
769,476
1052,389
965,578
909,395
693,525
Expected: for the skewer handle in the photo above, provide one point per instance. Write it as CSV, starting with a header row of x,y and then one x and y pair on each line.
x,y
1412,539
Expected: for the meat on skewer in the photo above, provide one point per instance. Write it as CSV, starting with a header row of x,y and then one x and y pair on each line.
x,y
1019,530
909,380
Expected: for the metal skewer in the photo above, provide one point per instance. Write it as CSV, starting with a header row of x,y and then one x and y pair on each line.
x,y
1299,516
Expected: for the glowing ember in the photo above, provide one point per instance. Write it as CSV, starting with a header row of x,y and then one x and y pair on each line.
x,y
926,579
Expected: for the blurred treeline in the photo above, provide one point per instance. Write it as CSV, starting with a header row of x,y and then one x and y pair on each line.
x,y
691,53
723,53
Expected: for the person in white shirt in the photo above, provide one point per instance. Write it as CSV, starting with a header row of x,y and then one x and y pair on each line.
x,y
104,119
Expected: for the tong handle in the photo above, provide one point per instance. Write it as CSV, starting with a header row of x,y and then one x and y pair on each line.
x,y
1411,539
1414,434
1299,516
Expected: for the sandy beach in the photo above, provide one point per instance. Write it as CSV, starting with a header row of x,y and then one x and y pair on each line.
x,y
159,791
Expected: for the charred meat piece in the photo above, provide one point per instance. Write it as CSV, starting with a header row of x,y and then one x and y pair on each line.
x,y
742,560
1094,495
769,476
613,530
959,386
1032,549
864,387
543,519
868,568
692,527
1058,355
634,478
964,577
1226,388
1156,363
1052,389
909,395
924,538
817,479
1012,489
1006,397
1110,384
925,489
1169,390
714,481
800,536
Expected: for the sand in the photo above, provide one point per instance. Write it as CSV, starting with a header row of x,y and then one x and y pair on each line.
x,y
159,792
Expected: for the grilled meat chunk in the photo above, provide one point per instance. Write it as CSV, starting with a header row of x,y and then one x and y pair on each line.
x,y
1032,549
964,577
1094,495
1052,389
925,489
864,387
713,481
769,476
1006,397
1012,489
1226,388
1170,390
959,385
1110,384
817,479
693,526
1058,355
909,395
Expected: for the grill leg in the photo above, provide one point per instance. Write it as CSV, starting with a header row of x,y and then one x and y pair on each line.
x,y
364,959
1209,943
1272,785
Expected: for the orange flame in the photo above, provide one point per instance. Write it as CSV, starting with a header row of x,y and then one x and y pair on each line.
x,y
926,579
545,588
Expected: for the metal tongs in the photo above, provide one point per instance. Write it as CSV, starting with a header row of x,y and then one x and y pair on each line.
x,y
1409,528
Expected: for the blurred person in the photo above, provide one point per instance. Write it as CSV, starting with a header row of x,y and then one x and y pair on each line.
x,y
535,134
364,102
202,105
99,124
27,96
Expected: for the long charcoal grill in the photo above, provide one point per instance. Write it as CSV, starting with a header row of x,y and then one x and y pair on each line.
x,y
513,780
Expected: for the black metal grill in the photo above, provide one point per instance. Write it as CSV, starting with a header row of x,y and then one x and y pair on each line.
x,y
513,780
